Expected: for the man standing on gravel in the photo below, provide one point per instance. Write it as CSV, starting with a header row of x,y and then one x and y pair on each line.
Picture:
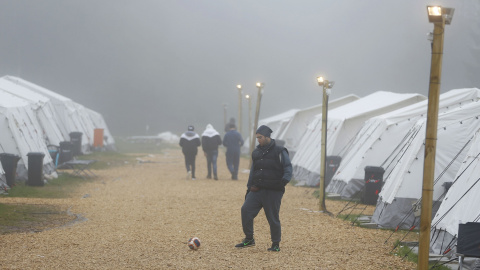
x,y
190,141
271,171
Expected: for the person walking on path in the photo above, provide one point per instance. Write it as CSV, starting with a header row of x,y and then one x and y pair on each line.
x,y
210,142
271,171
190,141
233,141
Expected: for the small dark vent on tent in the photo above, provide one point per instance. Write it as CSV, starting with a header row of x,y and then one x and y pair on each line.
x,y
461,122
447,186
444,128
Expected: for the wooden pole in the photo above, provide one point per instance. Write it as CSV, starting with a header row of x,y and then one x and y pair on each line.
x,y
240,97
430,145
323,157
255,123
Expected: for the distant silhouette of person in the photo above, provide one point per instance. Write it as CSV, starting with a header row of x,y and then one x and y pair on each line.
x,y
210,142
190,141
230,122
233,141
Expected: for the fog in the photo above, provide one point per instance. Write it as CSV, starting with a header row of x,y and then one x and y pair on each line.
x,y
166,64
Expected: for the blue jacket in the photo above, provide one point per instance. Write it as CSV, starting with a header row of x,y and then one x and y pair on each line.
x,y
233,141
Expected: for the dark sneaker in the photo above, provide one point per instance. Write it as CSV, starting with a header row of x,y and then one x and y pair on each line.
x,y
246,243
275,247
209,177
215,177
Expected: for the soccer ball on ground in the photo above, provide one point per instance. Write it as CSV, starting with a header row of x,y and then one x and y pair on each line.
x,y
193,243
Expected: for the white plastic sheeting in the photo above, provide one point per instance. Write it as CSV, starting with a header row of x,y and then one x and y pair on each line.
x,y
42,107
460,205
343,124
21,133
297,125
73,117
376,141
403,185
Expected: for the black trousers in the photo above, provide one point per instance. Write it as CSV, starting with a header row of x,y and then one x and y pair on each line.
x,y
270,201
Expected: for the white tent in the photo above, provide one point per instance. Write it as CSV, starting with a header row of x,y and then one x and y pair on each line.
x,y
276,123
376,141
42,107
403,185
297,125
3,180
21,134
343,124
460,205
73,116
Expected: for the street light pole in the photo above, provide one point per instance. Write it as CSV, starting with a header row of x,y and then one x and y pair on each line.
x,y
224,114
239,87
257,113
249,117
439,16
326,86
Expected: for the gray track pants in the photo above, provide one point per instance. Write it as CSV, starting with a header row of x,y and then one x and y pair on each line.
x,y
270,200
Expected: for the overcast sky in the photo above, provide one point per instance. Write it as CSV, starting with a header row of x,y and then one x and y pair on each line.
x,y
171,63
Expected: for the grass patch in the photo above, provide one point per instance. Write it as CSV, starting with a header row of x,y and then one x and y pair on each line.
x,y
108,159
353,218
60,187
405,252
124,145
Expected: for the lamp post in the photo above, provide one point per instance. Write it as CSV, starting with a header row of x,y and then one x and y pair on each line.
x,y
439,17
224,114
260,86
249,117
239,87
326,86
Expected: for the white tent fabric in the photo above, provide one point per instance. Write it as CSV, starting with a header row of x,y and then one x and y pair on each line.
x,y
73,116
403,185
379,136
3,180
460,205
21,134
297,125
42,107
278,122
343,124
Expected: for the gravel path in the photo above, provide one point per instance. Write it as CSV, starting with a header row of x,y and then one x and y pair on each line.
x,y
140,216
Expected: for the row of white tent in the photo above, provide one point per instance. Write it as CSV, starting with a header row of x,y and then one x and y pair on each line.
x,y
387,130
33,117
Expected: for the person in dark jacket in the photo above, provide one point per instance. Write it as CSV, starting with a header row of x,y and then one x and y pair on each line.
x,y
190,141
271,171
233,141
210,142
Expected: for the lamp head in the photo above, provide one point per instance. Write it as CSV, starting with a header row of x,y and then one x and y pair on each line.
x,y
247,96
239,86
438,13
320,81
260,84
